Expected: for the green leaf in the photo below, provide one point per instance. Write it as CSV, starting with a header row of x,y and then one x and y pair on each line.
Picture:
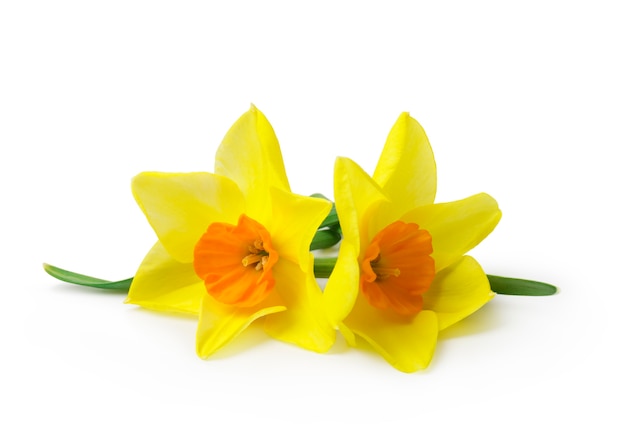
x,y
77,278
332,220
324,239
522,287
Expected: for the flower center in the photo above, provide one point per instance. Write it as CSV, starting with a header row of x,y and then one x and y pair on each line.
x,y
258,255
397,268
235,262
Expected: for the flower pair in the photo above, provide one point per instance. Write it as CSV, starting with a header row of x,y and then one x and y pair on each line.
x,y
234,246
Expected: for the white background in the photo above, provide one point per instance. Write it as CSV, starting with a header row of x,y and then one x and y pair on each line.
x,y
523,100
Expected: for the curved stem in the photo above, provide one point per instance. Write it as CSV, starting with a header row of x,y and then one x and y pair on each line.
x,y
324,239
521,287
323,267
88,281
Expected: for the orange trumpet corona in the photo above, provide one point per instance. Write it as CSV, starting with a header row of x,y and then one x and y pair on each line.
x,y
397,268
235,262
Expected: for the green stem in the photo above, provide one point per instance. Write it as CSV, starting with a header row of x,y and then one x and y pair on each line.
x,y
323,267
88,281
522,287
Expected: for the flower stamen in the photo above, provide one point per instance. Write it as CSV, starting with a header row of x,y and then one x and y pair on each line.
x,y
259,258
382,272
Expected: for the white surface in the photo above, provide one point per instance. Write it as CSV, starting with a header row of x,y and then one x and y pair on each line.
x,y
524,102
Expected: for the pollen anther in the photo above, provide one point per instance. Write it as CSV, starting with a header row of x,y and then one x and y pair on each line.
x,y
257,256
383,272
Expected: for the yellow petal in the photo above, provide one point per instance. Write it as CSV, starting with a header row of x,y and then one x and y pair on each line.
x,y
294,223
456,227
343,285
347,334
356,195
406,169
162,283
304,323
180,206
458,291
250,156
406,342
220,323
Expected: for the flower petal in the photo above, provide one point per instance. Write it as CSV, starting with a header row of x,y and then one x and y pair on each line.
x,y
220,323
251,157
406,342
163,283
406,169
304,323
458,291
180,206
294,223
356,195
456,227
342,286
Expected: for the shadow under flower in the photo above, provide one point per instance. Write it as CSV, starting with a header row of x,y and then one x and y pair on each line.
x,y
481,321
253,336
75,288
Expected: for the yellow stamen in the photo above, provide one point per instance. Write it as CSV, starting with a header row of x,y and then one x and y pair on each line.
x,y
258,255
253,258
261,265
383,272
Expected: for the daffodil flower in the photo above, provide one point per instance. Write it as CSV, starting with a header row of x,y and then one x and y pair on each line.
x,y
402,275
233,246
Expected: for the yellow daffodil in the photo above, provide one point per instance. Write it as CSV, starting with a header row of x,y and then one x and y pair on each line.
x,y
402,274
233,246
